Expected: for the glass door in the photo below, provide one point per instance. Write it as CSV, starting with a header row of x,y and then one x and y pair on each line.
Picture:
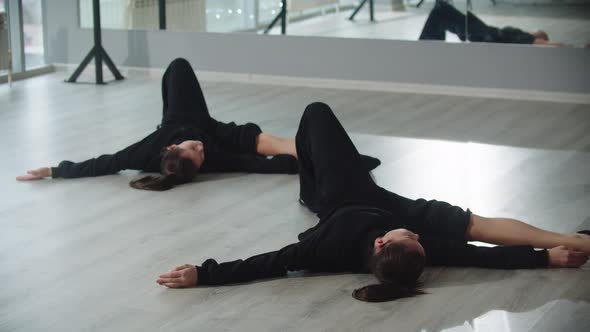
x,y
33,34
4,61
21,32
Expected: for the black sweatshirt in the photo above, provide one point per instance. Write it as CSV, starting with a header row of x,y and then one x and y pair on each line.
x,y
511,35
343,242
220,153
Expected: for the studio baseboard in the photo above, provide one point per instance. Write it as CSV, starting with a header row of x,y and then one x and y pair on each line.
x,y
28,74
445,90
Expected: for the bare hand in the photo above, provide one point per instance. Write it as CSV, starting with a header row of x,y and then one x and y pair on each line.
x,y
564,257
581,242
180,277
35,174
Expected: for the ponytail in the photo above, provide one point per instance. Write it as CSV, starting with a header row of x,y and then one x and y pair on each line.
x,y
154,183
386,292
398,269
175,169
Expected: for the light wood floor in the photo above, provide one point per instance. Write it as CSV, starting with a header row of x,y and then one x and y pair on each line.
x,y
83,255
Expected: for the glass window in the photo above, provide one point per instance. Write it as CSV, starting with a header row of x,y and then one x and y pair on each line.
x,y
33,33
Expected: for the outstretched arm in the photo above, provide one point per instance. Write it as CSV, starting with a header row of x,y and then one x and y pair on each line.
x,y
134,156
450,253
270,265
103,165
511,232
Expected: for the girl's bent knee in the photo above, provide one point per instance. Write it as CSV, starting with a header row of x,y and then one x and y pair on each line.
x,y
318,109
180,64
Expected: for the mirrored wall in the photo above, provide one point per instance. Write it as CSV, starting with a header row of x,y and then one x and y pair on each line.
x,y
547,22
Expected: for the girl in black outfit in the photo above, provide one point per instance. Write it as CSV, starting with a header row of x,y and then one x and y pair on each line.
x,y
444,17
188,140
365,228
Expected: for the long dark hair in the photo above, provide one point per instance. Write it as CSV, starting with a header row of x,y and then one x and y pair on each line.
x,y
175,171
398,269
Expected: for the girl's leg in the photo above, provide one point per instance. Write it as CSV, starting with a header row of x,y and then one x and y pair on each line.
x,y
479,31
442,18
330,168
504,231
184,103
445,17
182,95
435,26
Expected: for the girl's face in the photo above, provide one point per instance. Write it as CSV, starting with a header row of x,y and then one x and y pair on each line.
x,y
192,150
399,235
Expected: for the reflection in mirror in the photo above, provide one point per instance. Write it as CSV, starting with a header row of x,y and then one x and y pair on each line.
x,y
518,23
564,21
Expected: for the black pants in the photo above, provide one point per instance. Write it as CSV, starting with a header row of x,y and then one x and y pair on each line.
x,y
330,167
184,104
331,174
445,17
183,97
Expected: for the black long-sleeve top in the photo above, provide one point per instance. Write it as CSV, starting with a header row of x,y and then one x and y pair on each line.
x,y
222,153
511,35
343,242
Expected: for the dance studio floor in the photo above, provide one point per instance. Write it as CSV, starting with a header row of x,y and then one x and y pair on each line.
x,y
83,255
